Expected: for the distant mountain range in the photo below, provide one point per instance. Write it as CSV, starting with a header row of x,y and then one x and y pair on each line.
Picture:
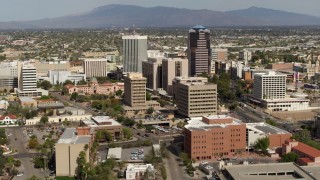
x,y
129,15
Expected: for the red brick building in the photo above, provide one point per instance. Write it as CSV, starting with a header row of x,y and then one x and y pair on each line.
x,y
214,136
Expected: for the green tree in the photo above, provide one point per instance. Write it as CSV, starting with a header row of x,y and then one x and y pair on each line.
x,y
185,158
262,144
45,85
163,172
67,82
128,122
148,96
17,163
82,169
150,110
82,82
271,122
119,92
44,119
33,143
34,178
127,133
74,96
290,157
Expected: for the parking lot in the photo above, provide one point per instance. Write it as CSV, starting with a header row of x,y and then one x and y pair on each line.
x,y
133,153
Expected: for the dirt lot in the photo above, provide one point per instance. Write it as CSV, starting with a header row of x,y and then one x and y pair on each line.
x,y
294,116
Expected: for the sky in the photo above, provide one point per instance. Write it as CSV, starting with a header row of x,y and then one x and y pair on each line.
x,y
13,10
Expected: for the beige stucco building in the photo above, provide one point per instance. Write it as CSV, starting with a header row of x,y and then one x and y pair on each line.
x,y
44,67
172,68
68,149
135,89
197,99
152,70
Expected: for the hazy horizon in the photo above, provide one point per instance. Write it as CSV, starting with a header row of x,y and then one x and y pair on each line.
x,y
19,10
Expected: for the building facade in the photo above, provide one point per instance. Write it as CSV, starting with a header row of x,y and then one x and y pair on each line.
x,y
55,77
152,70
185,80
197,99
93,87
8,75
134,52
171,68
97,123
269,85
95,67
135,89
44,67
217,55
213,137
68,149
199,51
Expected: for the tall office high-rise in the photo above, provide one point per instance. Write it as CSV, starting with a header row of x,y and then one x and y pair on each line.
x,y
199,51
134,52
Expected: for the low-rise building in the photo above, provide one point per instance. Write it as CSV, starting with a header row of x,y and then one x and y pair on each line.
x,y
55,77
104,123
256,131
4,104
268,171
27,102
59,119
214,136
308,156
95,88
67,151
137,171
8,119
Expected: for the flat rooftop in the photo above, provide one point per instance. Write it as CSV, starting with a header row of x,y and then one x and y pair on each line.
x,y
198,124
271,171
114,153
70,136
51,105
97,121
27,99
265,128
286,100
104,119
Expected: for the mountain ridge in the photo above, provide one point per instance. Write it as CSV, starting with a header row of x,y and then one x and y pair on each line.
x,y
115,15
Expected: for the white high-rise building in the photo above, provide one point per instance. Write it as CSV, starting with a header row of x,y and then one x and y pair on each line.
x,y
27,78
269,85
95,67
134,52
27,81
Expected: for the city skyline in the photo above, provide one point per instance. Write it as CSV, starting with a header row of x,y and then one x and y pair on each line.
x,y
18,10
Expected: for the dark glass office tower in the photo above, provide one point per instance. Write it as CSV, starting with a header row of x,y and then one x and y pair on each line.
x,y
199,52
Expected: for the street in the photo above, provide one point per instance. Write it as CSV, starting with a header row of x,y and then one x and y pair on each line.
x,y
19,141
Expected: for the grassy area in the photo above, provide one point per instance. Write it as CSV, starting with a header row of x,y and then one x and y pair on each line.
x,y
65,178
